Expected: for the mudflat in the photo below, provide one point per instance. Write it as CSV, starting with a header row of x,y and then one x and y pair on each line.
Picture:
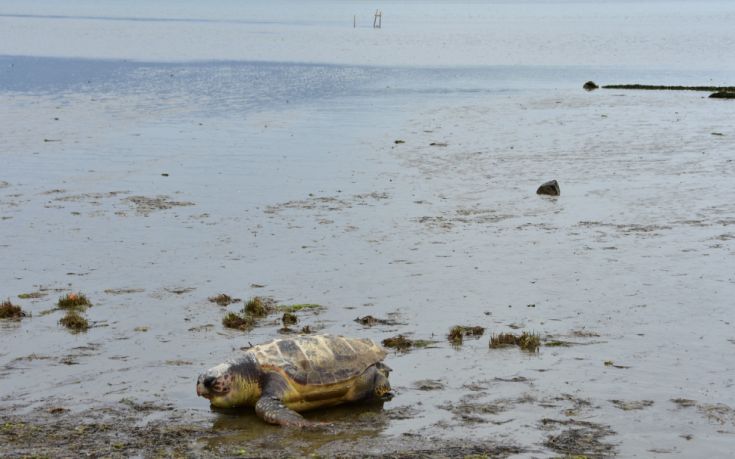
x,y
388,202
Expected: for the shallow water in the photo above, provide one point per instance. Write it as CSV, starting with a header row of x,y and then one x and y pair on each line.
x,y
287,175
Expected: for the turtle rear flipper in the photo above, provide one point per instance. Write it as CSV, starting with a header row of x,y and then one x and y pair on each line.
x,y
273,411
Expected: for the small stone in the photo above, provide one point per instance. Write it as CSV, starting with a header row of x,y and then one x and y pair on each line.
x,y
590,86
550,188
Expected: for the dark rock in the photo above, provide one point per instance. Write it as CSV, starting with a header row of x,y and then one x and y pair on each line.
x,y
590,86
550,188
722,95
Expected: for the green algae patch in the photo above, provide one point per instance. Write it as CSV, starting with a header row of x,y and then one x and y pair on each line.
x,y
458,332
527,341
74,321
10,311
32,295
74,301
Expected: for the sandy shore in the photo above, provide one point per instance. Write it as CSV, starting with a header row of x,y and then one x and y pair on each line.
x,y
155,155
150,200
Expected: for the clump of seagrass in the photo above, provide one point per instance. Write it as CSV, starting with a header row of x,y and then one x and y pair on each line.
x,y
223,299
73,301
256,308
237,321
74,321
458,332
289,319
527,341
10,311
259,307
398,342
403,344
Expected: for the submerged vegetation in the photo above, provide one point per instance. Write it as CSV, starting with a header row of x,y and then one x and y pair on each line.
x,y
223,299
10,311
289,319
292,308
527,341
74,321
74,301
458,332
237,321
31,295
258,307
401,343
369,321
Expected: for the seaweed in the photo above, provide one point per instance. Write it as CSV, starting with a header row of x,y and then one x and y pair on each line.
x,y
31,296
527,341
74,321
369,321
289,319
403,344
292,308
239,322
258,307
398,342
10,311
223,299
458,332
74,301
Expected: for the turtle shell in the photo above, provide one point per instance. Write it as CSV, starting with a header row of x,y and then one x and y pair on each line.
x,y
318,359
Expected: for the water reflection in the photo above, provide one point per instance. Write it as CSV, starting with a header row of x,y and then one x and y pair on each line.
x,y
236,429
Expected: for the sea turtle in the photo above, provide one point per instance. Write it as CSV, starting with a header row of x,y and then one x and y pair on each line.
x,y
285,376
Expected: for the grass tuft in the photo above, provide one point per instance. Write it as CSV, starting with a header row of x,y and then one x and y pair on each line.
x,y
527,341
458,332
239,322
223,299
398,342
10,311
74,301
258,307
74,321
289,319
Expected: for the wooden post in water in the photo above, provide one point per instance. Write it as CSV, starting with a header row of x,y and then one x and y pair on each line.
x,y
354,21
378,19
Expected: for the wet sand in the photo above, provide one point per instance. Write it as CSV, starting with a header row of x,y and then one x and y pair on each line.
x,y
150,205
153,156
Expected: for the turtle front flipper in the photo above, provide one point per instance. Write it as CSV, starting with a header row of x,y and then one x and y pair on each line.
x,y
273,411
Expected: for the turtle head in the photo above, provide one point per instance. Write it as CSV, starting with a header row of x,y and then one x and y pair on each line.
x,y
230,384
